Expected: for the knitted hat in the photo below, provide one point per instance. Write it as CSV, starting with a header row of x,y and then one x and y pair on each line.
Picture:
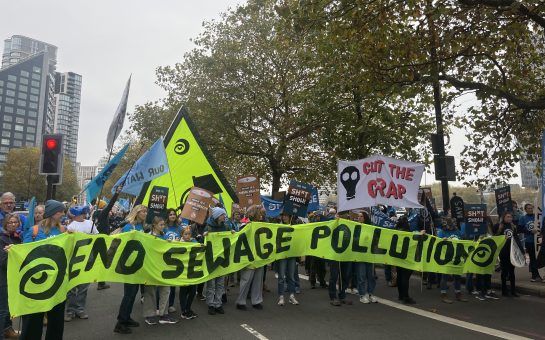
x,y
79,210
217,212
52,207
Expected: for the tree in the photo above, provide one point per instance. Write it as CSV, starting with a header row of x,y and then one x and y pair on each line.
x,y
21,176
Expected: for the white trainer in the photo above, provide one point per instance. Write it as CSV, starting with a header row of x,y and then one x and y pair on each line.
x,y
293,301
281,300
364,299
373,299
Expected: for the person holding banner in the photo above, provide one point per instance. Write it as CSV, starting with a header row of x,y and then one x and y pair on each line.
x,y
187,293
507,228
136,220
251,278
216,287
173,232
339,272
403,274
285,269
365,273
8,237
33,323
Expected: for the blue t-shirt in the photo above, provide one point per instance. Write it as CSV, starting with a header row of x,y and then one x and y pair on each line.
x,y
41,235
173,233
455,234
526,224
129,227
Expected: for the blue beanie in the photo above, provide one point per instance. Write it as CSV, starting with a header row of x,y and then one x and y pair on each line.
x,y
79,210
52,207
217,212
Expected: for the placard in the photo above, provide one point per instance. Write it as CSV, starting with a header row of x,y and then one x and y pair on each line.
x,y
157,204
475,220
297,199
248,191
196,205
457,209
503,200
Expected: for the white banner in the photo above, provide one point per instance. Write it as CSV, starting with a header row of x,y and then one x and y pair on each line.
x,y
378,180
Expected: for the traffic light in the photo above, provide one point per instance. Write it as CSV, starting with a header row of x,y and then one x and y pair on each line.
x,y
51,158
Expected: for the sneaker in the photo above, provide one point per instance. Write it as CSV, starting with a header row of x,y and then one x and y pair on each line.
x,y
220,310
142,300
68,317
346,302
211,310
475,292
172,309
165,319
201,297
10,333
132,323
348,291
185,316
480,297
364,299
82,315
355,291
151,320
292,300
373,299
192,314
335,302
492,296
281,300
258,306
122,329
241,307
409,301
445,298
533,279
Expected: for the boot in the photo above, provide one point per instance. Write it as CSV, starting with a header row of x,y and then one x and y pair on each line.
x,y
460,297
445,299
122,328
513,289
10,333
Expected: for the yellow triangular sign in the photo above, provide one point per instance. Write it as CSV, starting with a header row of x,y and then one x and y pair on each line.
x,y
190,165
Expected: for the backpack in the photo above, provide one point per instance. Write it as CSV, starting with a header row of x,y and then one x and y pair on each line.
x,y
36,230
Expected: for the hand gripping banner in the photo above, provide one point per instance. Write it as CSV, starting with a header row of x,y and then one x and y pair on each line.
x,y
41,273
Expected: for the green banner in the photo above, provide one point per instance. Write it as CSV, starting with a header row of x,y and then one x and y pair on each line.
x,y
41,273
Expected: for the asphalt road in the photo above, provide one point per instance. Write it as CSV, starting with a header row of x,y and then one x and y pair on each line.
x,y
315,318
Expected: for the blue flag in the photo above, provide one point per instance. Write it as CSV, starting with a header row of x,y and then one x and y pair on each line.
x,y
124,203
380,219
314,203
151,165
93,188
272,208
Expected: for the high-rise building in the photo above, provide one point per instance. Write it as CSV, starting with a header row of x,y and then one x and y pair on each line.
x,y
528,175
19,47
26,103
85,173
67,104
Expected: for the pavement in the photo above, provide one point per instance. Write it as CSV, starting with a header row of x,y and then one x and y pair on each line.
x,y
314,318
524,285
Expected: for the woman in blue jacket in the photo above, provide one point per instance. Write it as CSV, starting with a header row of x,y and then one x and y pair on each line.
x,y
33,323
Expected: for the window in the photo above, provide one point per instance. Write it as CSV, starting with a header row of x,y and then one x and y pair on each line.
x,y
8,109
18,135
4,141
23,88
35,83
34,90
8,118
21,103
21,111
25,73
36,69
12,77
32,122
19,128
23,81
33,105
4,149
19,120
22,95
32,114
30,129
1,90
33,98
10,93
17,143
36,76
6,126
6,134
29,137
9,101
1,83
2,157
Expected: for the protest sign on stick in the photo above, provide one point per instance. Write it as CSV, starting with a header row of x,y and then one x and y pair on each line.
x,y
197,204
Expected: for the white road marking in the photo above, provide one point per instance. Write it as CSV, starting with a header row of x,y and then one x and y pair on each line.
x,y
254,332
446,319
452,321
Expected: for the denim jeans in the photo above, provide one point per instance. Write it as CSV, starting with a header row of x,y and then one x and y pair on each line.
x,y
341,272
5,320
129,295
457,283
388,273
285,269
365,275
76,298
214,290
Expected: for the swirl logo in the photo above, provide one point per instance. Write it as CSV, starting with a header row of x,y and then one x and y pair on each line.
x,y
181,147
483,255
45,271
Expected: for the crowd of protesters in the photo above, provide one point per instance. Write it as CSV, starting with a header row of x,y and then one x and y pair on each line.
x,y
159,302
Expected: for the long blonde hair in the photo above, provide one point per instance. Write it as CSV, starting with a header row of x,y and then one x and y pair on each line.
x,y
48,223
133,215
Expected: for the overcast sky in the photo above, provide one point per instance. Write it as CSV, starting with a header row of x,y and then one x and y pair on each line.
x,y
106,41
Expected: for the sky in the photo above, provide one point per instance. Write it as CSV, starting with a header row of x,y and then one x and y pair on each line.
x,y
106,41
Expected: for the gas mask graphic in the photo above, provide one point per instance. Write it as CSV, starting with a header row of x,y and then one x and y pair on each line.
x,y
350,177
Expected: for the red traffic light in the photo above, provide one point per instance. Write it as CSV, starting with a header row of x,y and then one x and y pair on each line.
x,y
51,144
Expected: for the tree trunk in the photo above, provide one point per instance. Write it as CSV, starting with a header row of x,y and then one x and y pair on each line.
x,y
276,176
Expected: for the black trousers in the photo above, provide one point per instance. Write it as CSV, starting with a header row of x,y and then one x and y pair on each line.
x,y
33,324
317,270
507,273
403,277
531,249
129,295
187,294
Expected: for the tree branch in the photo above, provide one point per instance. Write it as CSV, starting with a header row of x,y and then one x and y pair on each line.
x,y
521,8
